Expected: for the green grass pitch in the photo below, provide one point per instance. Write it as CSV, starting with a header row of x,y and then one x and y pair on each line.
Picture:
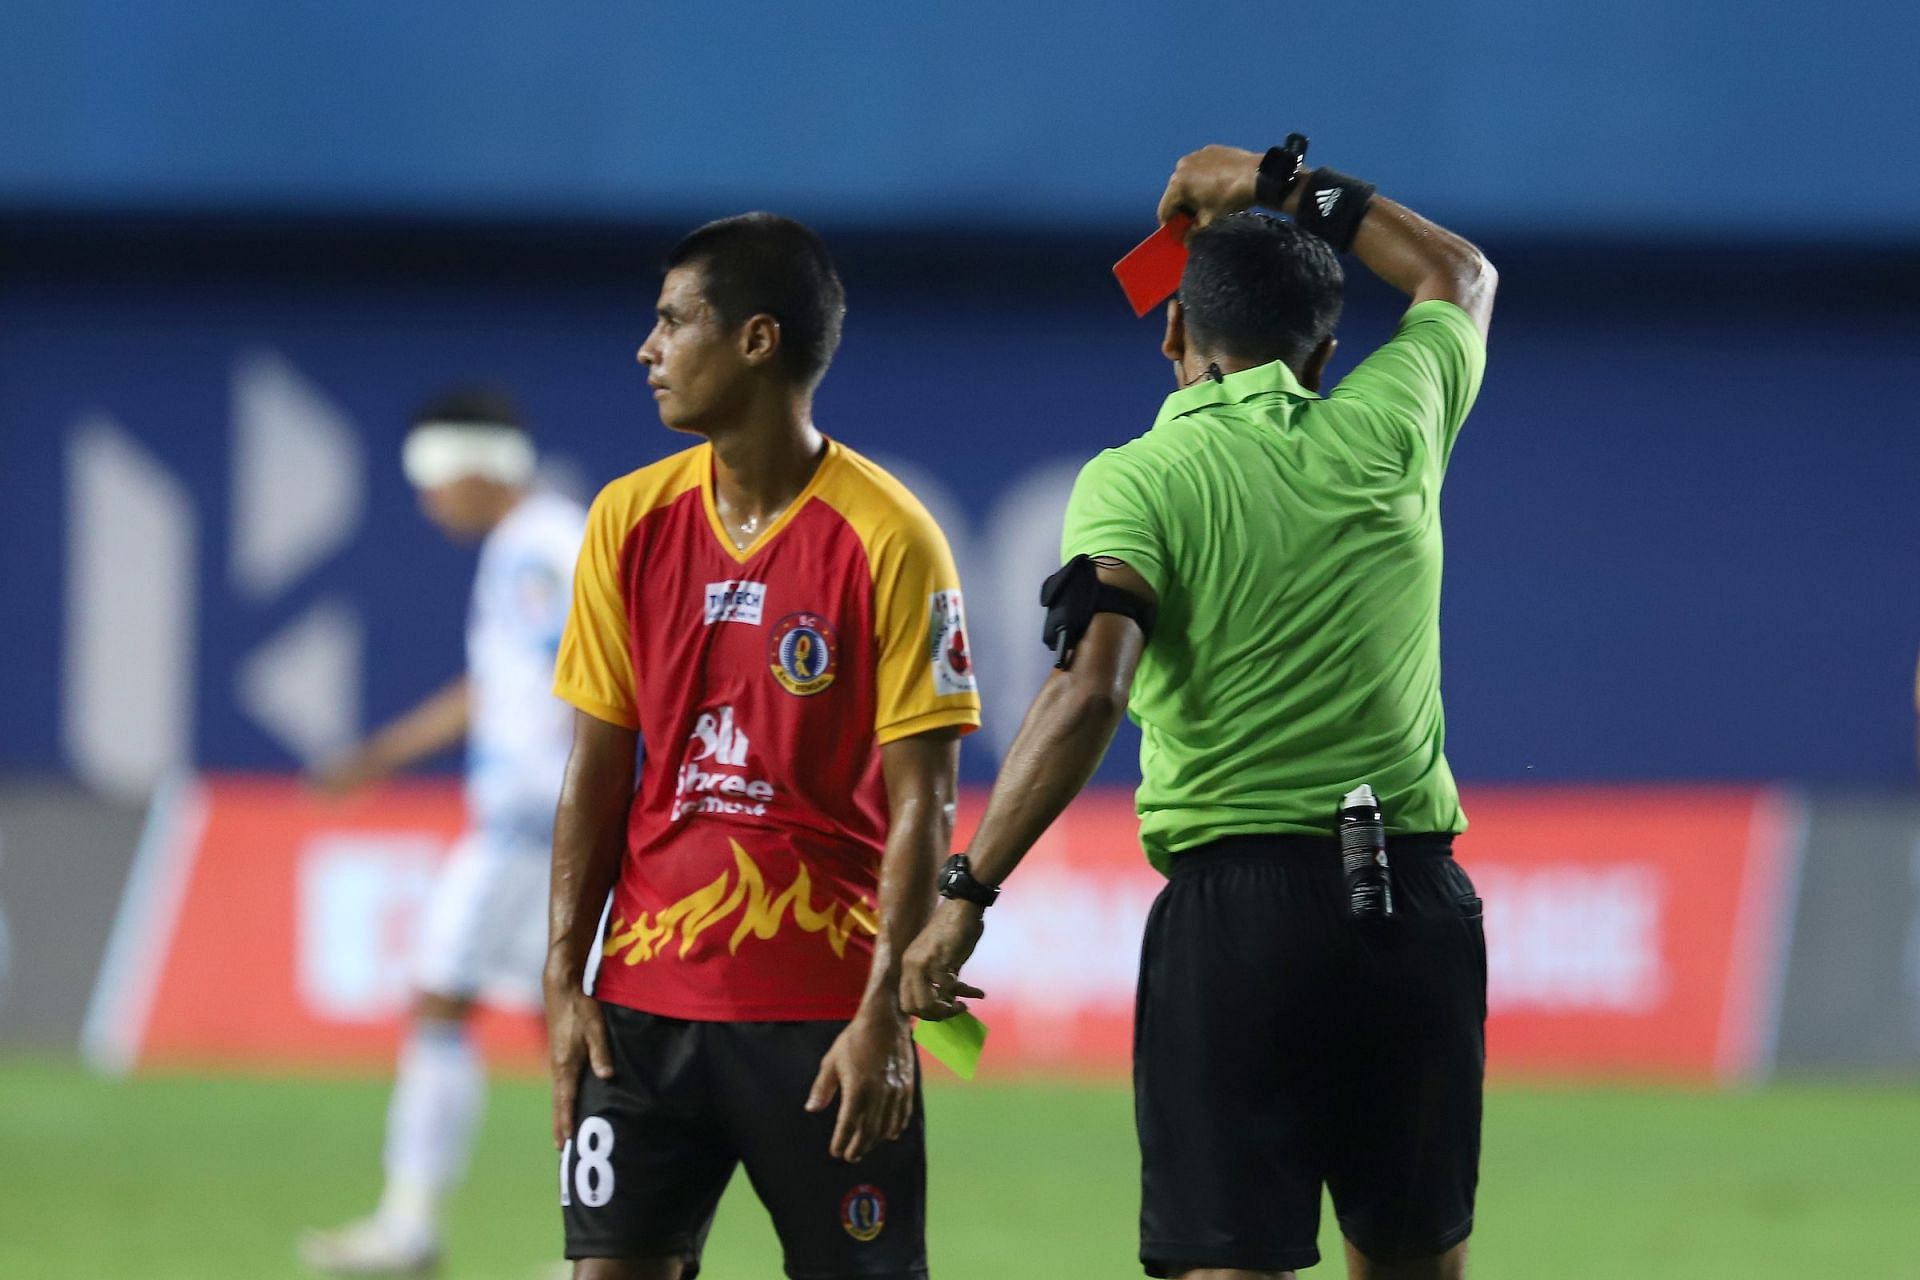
x,y
178,1178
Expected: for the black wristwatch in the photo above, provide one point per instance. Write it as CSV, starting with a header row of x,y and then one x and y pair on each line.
x,y
1280,168
956,881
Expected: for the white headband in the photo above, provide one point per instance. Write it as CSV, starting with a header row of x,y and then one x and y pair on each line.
x,y
438,453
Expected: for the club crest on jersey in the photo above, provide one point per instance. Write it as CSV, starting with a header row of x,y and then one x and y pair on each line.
x,y
947,645
735,600
863,1212
803,653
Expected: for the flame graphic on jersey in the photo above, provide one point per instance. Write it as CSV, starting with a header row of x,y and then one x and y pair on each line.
x,y
761,915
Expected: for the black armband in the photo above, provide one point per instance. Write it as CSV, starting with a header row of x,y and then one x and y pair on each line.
x,y
1331,206
1280,169
1073,595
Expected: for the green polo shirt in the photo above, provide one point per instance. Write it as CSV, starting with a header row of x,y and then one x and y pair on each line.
x,y
1294,542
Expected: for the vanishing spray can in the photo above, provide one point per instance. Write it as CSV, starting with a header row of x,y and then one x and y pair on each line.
x,y
1363,856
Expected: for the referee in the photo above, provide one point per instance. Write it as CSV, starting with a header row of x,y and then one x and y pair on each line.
x,y
1257,580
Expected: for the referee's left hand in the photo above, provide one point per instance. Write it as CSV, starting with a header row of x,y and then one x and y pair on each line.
x,y
930,985
870,1066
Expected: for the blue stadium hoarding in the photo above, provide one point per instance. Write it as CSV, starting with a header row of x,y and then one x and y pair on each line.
x,y
1668,555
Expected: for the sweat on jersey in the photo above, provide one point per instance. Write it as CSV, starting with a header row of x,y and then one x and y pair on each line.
x,y
763,683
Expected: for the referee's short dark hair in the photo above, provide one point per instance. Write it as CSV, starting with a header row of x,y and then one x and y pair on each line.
x,y
1257,288
764,264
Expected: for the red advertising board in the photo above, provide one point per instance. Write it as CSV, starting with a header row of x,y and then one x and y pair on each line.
x,y
267,926
1631,931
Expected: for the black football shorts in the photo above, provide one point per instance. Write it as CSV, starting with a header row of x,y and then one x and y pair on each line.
x,y
1281,1045
654,1147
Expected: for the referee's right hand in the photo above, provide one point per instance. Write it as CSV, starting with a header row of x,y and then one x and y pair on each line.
x,y
576,1034
1211,183
930,985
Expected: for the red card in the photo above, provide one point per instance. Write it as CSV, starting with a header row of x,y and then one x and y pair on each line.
x,y
1150,273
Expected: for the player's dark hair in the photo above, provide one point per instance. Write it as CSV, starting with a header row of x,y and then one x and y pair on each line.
x,y
1257,288
764,264
475,404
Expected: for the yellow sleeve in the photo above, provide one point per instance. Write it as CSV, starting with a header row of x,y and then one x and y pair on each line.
x,y
925,679
595,668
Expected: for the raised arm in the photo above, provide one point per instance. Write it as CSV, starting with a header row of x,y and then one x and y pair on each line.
x,y
1424,260
589,840
870,1065
1420,258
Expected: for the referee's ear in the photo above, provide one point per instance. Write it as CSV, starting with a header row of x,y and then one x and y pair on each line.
x,y
1174,345
1313,370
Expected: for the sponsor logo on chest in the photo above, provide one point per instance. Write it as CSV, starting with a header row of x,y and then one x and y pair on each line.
x,y
715,777
736,600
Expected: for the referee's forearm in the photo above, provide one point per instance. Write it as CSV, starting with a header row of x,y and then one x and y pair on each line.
x,y
1060,744
1424,260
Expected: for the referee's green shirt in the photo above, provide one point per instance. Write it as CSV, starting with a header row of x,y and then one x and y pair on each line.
x,y
1294,542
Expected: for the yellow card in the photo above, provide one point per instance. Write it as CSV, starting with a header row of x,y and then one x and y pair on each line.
x,y
956,1042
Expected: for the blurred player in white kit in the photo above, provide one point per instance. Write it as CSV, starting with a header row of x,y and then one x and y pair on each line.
x,y
484,933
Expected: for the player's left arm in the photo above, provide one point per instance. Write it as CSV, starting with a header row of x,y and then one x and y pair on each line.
x,y
437,724
1066,732
870,1066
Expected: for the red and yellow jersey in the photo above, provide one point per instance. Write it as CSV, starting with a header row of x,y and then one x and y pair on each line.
x,y
763,683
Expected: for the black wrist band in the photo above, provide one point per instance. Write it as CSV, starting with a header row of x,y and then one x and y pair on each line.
x,y
1280,168
956,881
1331,206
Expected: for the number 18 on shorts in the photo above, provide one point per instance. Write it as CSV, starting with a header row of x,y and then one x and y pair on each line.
x,y
589,1174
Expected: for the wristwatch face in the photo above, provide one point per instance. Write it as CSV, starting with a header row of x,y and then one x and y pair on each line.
x,y
957,882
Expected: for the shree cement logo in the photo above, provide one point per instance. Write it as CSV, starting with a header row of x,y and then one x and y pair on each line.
x,y
707,782
720,740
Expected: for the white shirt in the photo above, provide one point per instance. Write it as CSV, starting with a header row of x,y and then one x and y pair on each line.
x,y
520,733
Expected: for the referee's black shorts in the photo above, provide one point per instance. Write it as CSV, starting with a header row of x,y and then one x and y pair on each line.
x,y
1280,1045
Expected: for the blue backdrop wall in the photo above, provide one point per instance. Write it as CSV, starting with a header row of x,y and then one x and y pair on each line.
x,y
1680,529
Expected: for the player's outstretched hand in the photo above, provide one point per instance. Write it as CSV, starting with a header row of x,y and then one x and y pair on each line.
x,y
930,985
870,1067
1211,183
576,1036
345,773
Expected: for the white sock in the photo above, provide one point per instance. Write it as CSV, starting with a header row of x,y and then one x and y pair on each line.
x,y
437,1097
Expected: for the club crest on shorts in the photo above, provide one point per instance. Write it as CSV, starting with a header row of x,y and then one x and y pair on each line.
x,y
803,653
863,1212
